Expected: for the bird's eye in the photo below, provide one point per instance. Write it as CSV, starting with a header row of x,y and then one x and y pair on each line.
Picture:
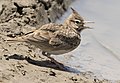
x,y
77,21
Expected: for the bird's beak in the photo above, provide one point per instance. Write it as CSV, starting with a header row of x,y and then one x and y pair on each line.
x,y
88,22
86,27
85,22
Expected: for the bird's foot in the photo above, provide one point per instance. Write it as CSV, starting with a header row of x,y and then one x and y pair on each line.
x,y
60,65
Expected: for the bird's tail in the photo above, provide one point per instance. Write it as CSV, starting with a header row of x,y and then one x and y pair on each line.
x,y
19,39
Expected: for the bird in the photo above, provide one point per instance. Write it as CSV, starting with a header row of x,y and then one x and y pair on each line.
x,y
56,39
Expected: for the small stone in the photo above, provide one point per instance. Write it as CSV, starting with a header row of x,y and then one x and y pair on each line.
x,y
73,79
52,73
5,55
7,58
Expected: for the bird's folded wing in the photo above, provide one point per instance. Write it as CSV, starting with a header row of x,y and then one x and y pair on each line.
x,y
39,35
44,33
56,42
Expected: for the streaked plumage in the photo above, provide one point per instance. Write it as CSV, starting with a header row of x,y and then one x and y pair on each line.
x,y
56,38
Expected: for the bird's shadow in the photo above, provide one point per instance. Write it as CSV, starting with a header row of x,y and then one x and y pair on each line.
x,y
45,63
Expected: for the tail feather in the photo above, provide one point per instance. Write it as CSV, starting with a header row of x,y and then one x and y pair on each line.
x,y
19,39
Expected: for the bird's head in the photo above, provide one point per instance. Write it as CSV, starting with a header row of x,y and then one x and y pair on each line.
x,y
76,21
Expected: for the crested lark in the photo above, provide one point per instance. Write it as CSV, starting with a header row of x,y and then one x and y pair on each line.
x,y
56,38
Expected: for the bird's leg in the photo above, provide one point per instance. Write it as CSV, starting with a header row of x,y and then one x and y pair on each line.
x,y
61,66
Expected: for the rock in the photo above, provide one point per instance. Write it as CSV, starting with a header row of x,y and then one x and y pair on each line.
x,y
33,13
52,73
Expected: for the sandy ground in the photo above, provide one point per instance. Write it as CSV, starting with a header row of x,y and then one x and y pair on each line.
x,y
17,69
23,63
